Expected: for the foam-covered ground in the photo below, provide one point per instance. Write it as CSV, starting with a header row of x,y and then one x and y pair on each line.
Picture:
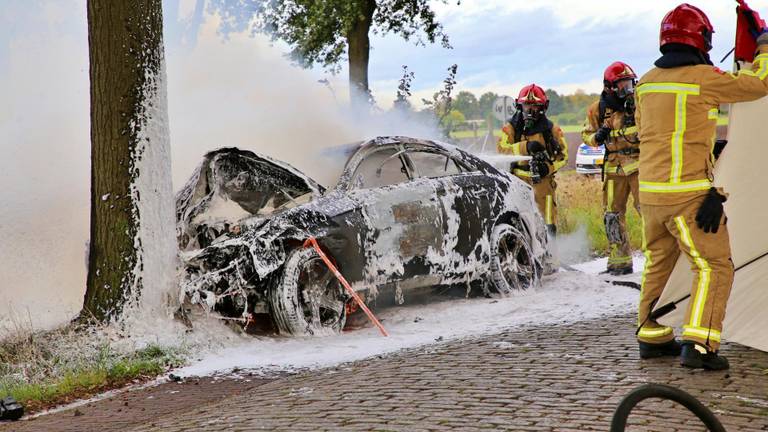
x,y
565,297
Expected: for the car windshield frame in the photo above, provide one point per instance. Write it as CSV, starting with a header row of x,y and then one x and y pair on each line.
x,y
346,182
462,168
466,162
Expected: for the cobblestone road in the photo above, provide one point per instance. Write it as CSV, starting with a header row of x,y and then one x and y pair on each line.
x,y
564,378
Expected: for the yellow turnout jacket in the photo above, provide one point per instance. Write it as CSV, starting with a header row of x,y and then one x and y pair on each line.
x,y
677,116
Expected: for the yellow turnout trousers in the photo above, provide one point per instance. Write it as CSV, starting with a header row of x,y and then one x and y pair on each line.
x,y
544,194
667,230
616,191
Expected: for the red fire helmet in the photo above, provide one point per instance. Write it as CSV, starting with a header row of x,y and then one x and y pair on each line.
x,y
617,71
533,95
687,25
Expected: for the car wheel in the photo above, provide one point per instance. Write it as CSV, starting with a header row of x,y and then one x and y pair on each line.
x,y
512,264
307,298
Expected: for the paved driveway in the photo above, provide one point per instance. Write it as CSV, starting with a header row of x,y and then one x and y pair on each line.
x,y
567,378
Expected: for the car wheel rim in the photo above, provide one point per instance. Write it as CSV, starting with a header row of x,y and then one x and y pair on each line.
x,y
515,262
321,297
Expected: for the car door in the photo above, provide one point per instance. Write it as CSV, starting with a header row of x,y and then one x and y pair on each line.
x,y
403,217
464,197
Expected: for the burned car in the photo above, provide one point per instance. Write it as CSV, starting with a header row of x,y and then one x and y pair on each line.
x,y
406,213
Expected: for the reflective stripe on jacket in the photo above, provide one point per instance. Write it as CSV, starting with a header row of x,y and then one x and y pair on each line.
x,y
677,120
622,138
506,145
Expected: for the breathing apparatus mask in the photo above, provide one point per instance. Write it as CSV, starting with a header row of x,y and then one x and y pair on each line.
x,y
531,114
625,91
624,88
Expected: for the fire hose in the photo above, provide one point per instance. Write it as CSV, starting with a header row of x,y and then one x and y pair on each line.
x,y
619,421
312,242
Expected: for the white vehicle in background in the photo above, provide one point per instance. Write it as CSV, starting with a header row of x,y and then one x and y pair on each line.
x,y
589,160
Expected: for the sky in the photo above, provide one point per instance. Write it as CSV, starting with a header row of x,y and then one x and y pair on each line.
x,y
499,45
502,45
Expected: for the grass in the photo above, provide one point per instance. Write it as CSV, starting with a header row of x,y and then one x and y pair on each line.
x,y
42,369
466,134
571,128
579,204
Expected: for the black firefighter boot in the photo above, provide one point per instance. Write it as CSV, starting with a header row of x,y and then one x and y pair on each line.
x,y
649,350
621,271
698,356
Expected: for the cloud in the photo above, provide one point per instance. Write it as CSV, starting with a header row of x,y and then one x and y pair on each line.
x,y
580,13
560,44
506,59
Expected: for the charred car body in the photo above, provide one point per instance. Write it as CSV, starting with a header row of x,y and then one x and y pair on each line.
x,y
405,213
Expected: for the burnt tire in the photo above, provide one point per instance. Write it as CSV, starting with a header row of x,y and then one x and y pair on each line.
x,y
307,299
513,267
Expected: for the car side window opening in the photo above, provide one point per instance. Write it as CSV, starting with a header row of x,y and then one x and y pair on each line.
x,y
430,164
381,168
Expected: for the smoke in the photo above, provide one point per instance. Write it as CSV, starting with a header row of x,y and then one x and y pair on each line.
x,y
573,247
244,93
44,170
241,92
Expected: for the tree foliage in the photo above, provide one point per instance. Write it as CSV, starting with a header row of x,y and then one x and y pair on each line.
x,y
404,90
565,109
556,103
467,103
485,103
453,119
442,101
323,31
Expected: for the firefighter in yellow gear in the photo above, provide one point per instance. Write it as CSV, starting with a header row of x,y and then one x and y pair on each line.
x,y
678,104
530,133
611,122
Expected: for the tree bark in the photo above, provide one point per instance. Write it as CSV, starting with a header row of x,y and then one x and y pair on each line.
x,y
359,47
126,63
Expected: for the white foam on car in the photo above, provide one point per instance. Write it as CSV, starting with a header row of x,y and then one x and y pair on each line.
x,y
223,209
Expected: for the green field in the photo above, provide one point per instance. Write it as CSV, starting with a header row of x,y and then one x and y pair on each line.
x,y
579,204
571,128
468,134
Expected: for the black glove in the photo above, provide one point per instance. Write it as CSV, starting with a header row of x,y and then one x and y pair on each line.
x,y
602,134
718,149
540,166
534,147
711,212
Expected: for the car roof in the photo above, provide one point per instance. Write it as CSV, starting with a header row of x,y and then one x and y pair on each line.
x,y
361,150
399,139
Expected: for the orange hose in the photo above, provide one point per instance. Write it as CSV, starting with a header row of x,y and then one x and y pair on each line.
x,y
313,242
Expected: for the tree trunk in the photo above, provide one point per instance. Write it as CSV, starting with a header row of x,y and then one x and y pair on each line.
x,y
128,128
359,49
